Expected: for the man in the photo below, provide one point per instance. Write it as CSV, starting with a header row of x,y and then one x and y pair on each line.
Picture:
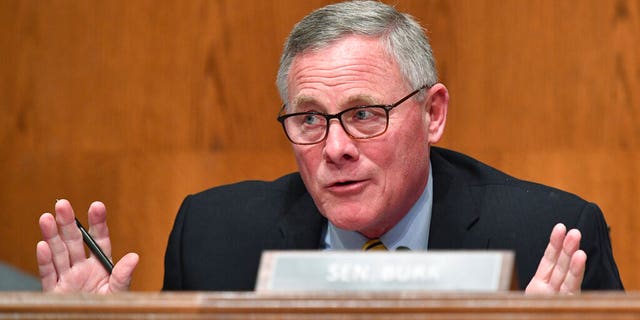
x,y
362,108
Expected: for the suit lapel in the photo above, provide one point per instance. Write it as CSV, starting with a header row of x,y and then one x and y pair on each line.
x,y
301,226
454,213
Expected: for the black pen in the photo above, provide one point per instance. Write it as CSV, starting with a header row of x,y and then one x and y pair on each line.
x,y
93,246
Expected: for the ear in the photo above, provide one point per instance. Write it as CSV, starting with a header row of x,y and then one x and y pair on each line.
x,y
437,105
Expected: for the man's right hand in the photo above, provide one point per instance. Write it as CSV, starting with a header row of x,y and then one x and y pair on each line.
x,y
63,262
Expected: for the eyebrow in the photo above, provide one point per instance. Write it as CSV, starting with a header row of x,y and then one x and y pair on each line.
x,y
352,101
362,99
301,100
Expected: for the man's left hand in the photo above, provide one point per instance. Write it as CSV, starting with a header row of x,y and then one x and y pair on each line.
x,y
561,269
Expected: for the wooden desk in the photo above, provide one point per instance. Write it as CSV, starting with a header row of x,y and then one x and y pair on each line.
x,y
408,305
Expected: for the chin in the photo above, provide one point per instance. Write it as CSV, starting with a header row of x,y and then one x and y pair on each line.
x,y
351,221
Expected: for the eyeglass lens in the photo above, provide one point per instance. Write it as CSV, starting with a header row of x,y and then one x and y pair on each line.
x,y
360,123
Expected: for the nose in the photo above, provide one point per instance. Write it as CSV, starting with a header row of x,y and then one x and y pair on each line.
x,y
339,147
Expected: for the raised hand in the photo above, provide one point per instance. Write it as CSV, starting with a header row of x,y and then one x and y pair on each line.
x,y
561,269
63,262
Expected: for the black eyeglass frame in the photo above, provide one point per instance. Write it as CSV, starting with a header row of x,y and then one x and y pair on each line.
x,y
387,108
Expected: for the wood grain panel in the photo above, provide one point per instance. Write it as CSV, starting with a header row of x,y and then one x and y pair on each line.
x,y
138,103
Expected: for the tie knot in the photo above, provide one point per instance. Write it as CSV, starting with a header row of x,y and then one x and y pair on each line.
x,y
373,244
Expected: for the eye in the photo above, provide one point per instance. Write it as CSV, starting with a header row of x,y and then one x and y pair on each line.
x,y
310,119
367,114
363,114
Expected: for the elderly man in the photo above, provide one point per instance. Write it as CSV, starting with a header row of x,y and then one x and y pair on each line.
x,y
362,109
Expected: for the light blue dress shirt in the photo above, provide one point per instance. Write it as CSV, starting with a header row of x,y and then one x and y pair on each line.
x,y
411,232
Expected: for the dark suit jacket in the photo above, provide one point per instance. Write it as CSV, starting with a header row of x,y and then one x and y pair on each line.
x,y
219,234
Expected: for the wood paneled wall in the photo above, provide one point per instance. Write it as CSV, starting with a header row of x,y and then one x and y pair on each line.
x,y
139,103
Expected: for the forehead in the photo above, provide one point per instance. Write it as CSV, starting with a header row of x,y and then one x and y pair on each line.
x,y
355,68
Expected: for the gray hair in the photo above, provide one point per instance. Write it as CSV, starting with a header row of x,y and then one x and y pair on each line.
x,y
401,35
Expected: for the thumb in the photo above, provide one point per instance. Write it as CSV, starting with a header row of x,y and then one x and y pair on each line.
x,y
120,279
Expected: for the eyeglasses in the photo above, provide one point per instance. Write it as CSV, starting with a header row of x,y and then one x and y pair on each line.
x,y
362,122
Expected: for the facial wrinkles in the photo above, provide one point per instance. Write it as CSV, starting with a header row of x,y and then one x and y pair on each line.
x,y
333,76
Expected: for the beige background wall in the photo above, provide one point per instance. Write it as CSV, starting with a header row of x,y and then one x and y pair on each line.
x,y
138,103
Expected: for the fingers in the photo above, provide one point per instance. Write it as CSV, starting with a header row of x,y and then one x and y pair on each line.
x,y
98,226
551,253
48,275
573,281
570,245
120,279
63,245
562,266
69,232
62,262
57,249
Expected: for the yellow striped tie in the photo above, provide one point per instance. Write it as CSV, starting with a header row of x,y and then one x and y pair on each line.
x,y
374,244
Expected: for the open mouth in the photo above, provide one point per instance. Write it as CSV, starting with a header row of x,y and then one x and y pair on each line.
x,y
344,183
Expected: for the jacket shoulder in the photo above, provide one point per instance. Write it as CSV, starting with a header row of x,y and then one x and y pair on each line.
x,y
478,175
288,185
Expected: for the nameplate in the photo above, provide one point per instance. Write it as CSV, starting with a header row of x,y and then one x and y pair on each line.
x,y
287,271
